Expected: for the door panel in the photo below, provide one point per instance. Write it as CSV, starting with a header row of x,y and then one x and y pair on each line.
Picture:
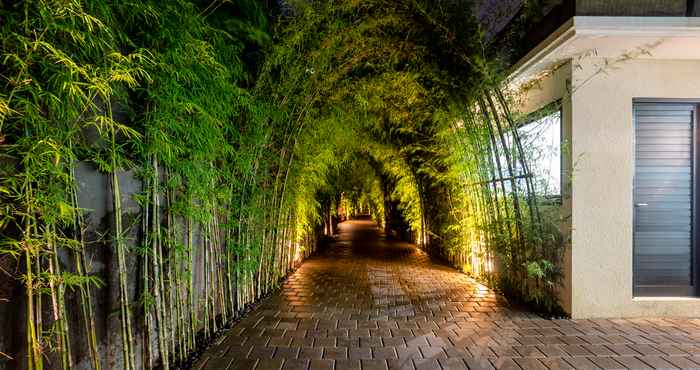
x,y
664,199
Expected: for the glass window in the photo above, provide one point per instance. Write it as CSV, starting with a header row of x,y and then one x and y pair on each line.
x,y
541,141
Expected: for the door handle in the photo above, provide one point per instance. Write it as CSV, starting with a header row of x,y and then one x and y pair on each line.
x,y
641,204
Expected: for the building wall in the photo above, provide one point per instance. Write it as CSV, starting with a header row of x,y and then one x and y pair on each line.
x,y
602,191
632,7
550,88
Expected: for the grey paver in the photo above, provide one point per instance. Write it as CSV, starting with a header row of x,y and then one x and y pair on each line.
x,y
269,364
530,364
295,364
321,365
606,363
682,362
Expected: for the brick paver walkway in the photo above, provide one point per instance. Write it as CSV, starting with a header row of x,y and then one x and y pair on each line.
x,y
367,304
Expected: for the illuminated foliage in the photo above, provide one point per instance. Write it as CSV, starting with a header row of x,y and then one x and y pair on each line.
x,y
246,138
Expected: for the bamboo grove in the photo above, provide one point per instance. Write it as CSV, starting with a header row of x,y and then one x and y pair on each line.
x,y
220,139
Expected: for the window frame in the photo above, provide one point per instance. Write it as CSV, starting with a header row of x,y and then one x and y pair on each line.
x,y
549,109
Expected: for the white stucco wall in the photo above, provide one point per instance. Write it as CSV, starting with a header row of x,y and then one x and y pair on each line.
x,y
602,194
551,88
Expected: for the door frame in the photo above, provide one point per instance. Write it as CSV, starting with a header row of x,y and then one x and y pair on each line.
x,y
672,291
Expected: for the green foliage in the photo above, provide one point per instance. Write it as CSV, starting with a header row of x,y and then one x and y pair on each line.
x,y
410,81
158,87
246,141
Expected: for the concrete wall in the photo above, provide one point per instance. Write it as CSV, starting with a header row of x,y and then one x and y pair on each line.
x,y
602,148
550,88
94,195
96,199
631,7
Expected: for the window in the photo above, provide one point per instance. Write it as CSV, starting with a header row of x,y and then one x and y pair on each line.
x,y
541,141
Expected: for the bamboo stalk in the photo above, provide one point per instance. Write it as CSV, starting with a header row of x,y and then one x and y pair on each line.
x,y
157,261
205,274
190,283
146,294
81,268
127,336
57,301
531,196
34,358
518,268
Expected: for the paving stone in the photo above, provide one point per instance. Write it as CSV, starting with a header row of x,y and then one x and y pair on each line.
x,y
457,352
689,349
218,363
348,365
557,363
426,364
657,362
453,364
393,342
682,362
324,342
374,365
582,363
529,363
295,364
269,364
371,342
623,350
384,353
408,352
237,351
607,363
599,350
240,364
646,349
369,303
360,353
432,352
338,333
505,363
311,353
576,350
478,363
280,341
400,364
257,340
362,333
670,350
528,351
286,352
303,342
261,352
505,351
201,362
552,350
632,363
348,342
321,365
595,339
335,353
529,341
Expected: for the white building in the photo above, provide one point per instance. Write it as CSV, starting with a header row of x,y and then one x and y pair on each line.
x,y
628,85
